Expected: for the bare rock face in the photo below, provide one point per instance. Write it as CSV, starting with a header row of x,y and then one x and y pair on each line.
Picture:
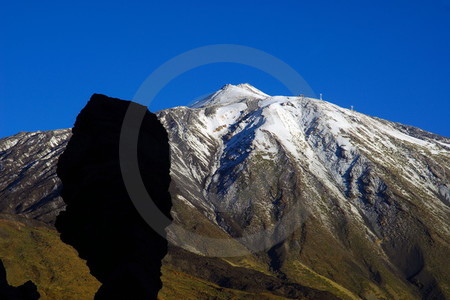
x,y
122,251
27,291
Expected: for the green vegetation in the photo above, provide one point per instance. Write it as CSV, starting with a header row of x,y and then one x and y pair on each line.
x,y
38,254
178,285
308,277
248,262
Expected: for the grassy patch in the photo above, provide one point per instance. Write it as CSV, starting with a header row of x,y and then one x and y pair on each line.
x,y
38,254
179,285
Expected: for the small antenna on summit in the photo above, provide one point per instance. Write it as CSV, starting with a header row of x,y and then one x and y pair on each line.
x,y
351,107
321,96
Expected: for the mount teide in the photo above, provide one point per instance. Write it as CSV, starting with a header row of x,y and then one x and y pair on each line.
x,y
368,200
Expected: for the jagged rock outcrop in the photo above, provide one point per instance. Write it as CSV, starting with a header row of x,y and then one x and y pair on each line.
x,y
27,291
122,251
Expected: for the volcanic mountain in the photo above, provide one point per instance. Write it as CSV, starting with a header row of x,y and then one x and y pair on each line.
x,y
287,192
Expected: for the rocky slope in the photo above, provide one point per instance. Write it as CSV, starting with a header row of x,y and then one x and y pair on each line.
x,y
296,188
28,182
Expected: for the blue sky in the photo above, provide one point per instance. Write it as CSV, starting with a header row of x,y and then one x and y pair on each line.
x,y
389,59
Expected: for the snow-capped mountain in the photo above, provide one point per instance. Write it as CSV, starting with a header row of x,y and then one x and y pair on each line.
x,y
312,193
248,161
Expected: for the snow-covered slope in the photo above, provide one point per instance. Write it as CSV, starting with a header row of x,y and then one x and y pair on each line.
x,y
229,94
220,133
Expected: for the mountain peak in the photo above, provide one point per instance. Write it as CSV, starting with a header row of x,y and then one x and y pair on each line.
x,y
230,93
242,87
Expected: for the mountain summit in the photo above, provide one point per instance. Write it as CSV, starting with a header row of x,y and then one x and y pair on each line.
x,y
231,94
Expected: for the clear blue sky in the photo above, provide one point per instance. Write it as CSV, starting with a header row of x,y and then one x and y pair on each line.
x,y
390,59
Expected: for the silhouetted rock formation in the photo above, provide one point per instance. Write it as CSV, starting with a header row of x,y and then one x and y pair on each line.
x,y
27,291
122,251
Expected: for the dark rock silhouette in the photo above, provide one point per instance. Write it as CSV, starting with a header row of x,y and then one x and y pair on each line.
x,y
122,251
27,291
